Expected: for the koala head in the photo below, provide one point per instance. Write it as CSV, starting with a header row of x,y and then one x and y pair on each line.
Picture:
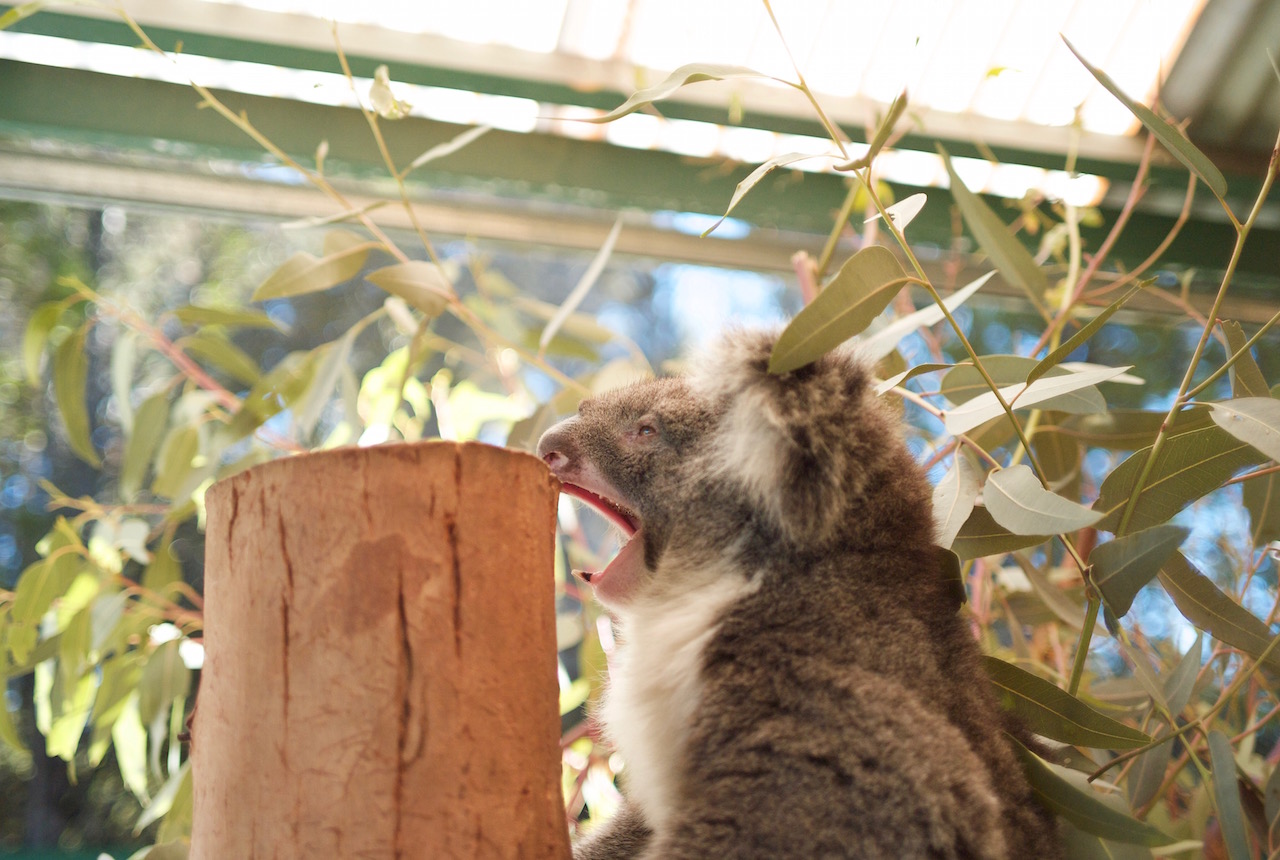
x,y
733,463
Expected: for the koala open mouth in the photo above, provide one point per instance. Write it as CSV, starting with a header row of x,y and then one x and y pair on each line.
x,y
623,571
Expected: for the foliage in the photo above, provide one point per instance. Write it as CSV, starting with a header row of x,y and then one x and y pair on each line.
x,y
107,623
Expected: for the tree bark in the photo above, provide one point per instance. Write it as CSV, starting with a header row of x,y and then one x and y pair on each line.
x,y
380,676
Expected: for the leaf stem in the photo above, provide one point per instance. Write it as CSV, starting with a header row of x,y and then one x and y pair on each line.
x,y
1086,635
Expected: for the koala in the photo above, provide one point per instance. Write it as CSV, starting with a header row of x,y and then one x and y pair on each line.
x,y
792,678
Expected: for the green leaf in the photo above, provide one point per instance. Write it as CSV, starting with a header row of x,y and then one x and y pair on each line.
x,y
124,360
70,715
965,383
584,285
1014,261
198,315
881,137
911,373
1226,796
175,830
1149,770
862,288
1262,499
418,282
1055,713
165,679
129,738
904,212
1126,430
120,676
886,340
982,536
42,321
1090,328
345,254
70,374
44,582
683,76
1182,680
1246,379
449,147
164,569
151,420
174,461
1082,808
1204,605
1174,140
166,797
1253,420
279,388
213,347
1067,609
1043,392
1016,500
1122,566
755,176
954,498
1191,463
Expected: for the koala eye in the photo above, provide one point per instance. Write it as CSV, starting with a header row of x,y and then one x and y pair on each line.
x,y
646,428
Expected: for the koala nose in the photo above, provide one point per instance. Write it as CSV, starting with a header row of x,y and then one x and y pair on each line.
x,y
556,447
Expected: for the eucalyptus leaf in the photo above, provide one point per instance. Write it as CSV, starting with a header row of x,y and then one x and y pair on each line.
x,y
69,718
1010,257
1181,682
1253,420
1226,796
449,147
885,128
1068,610
198,315
149,428
42,321
418,282
129,738
211,347
954,498
1016,500
1246,378
1055,713
124,360
884,341
165,797
862,288
984,407
1082,809
164,569
70,374
1148,773
1126,429
904,212
1204,605
691,73
1121,567
164,680
305,273
174,460
756,175
1191,463
911,373
1087,331
1262,499
584,285
982,536
8,732
1173,139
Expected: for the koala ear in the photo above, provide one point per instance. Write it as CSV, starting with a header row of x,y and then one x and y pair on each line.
x,y
789,441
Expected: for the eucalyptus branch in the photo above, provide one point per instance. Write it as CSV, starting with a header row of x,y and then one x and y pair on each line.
x,y
1242,235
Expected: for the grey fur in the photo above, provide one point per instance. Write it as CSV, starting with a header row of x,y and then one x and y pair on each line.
x,y
838,708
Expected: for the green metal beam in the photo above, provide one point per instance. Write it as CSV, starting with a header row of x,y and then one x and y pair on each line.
x,y
145,116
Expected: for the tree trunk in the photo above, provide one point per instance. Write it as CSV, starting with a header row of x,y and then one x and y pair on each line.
x,y
380,678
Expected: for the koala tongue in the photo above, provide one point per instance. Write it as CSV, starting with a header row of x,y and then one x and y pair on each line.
x,y
613,584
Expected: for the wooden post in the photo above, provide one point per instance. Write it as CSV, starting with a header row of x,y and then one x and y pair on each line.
x,y
380,679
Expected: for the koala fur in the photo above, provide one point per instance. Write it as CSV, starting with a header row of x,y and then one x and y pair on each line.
x,y
792,678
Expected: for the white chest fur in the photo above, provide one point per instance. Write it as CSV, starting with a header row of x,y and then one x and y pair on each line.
x,y
655,685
